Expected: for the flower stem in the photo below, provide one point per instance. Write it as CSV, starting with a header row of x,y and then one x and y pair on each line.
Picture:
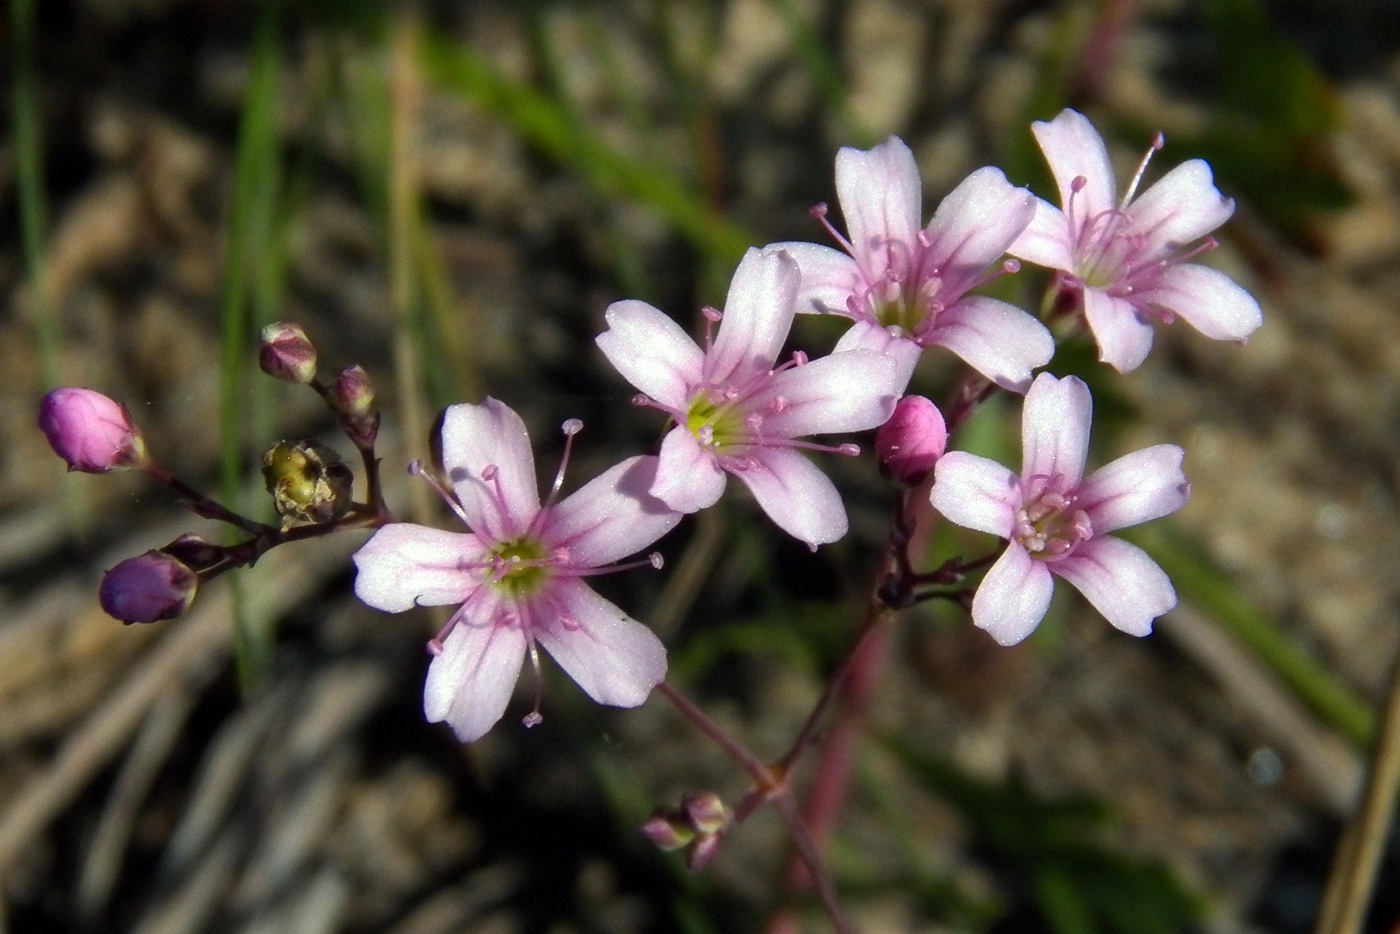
x,y
762,775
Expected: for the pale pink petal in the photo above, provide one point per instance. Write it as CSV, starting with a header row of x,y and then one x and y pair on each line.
x,y
1074,148
1121,582
976,493
828,277
1047,240
404,564
1124,338
1055,428
796,495
688,477
1181,208
615,659
651,351
470,683
757,316
881,198
847,391
998,340
490,435
1135,488
1208,300
612,516
974,225
893,342
1013,596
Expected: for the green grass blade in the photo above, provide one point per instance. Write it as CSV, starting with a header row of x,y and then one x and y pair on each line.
x,y
252,213
545,123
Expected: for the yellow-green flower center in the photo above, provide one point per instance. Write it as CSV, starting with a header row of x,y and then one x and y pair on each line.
x,y
520,571
715,424
899,312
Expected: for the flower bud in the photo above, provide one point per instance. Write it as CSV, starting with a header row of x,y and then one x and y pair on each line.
x,y
701,851
352,393
308,482
195,553
667,831
147,588
705,811
911,441
91,432
286,354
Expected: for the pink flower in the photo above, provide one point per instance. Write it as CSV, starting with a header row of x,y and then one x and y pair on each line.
x,y
1057,521
906,287
1128,259
92,433
736,413
518,574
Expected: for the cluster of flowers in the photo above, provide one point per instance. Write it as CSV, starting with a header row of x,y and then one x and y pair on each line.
x,y
1120,265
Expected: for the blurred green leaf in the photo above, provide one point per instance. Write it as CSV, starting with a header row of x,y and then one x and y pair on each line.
x,y
1202,582
1049,853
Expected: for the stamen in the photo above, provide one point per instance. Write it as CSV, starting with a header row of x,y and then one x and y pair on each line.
x,y
416,469
712,317
534,717
1158,141
653,560
819,211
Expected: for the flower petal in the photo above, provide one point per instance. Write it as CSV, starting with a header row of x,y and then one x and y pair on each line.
x,y
1073,148
974,225
490,435
996,339
976,493
651,351
1121,582
1055,428
1047,240
829,278
470,683
881,198
847,391
1013,596
1135,488
796,495
1124,338
615,659
1181,208
1210,301
757,316
404,564
688,477
611,516
893,342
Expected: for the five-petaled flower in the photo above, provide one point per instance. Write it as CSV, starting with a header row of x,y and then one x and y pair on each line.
x,y
518,574
906,286
736,413
1057,521
1128,259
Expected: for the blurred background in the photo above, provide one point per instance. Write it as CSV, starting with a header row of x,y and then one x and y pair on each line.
x,y
450,194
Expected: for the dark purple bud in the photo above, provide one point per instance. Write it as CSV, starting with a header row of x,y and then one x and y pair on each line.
x,y
353,393
91,432
147,588
667,832
912,441
286,354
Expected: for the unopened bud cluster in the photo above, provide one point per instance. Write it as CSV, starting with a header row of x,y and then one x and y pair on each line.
x,y
696,827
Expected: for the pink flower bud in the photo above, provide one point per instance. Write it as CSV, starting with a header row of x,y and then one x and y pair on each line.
x,y
699,854
668,833
147,588
912,440
705,811
91,432
286,354
353,393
